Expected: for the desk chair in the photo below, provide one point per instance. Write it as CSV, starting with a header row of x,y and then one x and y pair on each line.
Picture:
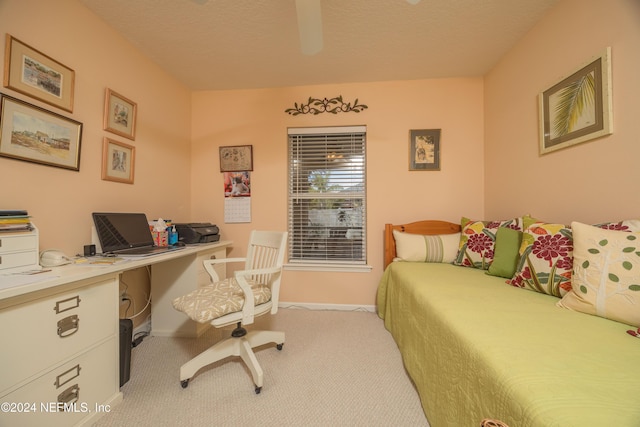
x,y
252,292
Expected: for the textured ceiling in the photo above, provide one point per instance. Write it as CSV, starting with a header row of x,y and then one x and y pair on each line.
x,y
246,44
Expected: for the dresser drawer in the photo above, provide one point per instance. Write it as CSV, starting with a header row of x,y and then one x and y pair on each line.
x,y
18,242
45,331
66,394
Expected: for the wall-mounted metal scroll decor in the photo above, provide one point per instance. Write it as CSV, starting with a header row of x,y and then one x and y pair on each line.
x,y
334,106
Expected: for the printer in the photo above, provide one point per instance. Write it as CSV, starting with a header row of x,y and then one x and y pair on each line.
x,y
197,232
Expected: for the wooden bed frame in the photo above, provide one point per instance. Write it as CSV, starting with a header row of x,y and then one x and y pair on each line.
x,y
427,227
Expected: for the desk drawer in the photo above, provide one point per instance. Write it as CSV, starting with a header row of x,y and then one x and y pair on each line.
x,y
45,331
67,394
19,259
18,242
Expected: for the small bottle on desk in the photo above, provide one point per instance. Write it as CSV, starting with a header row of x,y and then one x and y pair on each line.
x,y
173,235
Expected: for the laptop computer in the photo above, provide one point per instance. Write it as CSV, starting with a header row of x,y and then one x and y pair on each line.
x,y
126,234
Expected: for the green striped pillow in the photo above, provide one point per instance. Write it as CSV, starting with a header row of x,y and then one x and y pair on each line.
x,y
421,248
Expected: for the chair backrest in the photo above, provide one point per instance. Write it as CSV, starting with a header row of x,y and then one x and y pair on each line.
x,y
266,250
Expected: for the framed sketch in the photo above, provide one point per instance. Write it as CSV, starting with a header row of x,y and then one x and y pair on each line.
x,y
118,161
424,150
578,108
31,72
37,135
120,115
236,158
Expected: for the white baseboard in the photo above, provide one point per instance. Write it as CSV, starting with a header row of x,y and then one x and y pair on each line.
x,y
338,307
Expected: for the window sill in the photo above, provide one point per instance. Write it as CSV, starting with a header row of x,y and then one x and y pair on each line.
x,y
342,268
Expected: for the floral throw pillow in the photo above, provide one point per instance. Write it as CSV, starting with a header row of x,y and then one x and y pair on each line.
x,y
630,225
478,239
546,259
546,255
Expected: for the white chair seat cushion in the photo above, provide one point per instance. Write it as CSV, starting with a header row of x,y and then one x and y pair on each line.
x,y
215,300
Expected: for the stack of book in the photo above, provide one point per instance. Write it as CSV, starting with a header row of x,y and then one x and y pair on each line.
x,y
14,220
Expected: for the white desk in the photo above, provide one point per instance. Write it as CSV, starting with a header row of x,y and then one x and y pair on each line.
x,y
59,363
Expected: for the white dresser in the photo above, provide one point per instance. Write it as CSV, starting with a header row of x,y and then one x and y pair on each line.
x,y
59,350
59,354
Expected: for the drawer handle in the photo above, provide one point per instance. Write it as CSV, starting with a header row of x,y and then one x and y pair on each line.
x,y
67,304
70,395
67,376
68,326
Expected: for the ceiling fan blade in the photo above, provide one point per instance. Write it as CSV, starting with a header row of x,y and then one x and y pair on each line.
x,y
309,26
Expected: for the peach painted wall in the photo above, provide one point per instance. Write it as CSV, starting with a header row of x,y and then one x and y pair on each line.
x,y
180,132
590,182
395,195
61,201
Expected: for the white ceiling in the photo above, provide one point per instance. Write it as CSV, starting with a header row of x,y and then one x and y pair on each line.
x,y
247,44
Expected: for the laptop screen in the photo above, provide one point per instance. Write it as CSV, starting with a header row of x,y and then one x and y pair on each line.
x,y
118,231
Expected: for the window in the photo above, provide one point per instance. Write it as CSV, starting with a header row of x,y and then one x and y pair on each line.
x,y
327,195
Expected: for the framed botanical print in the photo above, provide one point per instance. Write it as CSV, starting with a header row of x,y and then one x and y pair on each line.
x,y
120,115
578,108
424,150
118,161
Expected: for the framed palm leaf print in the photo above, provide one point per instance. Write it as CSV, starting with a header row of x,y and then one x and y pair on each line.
x,y
578,108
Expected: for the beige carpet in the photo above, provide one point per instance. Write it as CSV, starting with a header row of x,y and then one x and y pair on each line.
x,y
336,369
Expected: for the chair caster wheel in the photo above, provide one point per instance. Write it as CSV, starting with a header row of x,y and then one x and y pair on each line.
x,y
258,390
279,346
184,383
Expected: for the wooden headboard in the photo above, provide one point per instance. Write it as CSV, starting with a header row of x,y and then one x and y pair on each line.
x,y
428,227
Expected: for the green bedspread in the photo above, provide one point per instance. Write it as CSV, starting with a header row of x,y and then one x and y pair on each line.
x,y
478,348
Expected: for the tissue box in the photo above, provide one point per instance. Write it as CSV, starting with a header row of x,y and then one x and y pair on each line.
x,y
160,238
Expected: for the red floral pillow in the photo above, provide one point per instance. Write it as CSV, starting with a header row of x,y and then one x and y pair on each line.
x,y
546,256
631,225
546,259
478,240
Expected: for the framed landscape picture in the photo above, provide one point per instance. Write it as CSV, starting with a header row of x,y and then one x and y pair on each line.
x,y
120,115
33,134
118,161
424,150
578,108
31,72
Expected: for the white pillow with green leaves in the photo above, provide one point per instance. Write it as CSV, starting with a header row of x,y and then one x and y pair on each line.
x,y
606,274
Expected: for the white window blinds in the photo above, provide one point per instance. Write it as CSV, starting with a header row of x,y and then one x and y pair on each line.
x,y
327,195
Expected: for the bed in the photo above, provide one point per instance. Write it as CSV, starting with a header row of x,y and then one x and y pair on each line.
x,y
478,348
